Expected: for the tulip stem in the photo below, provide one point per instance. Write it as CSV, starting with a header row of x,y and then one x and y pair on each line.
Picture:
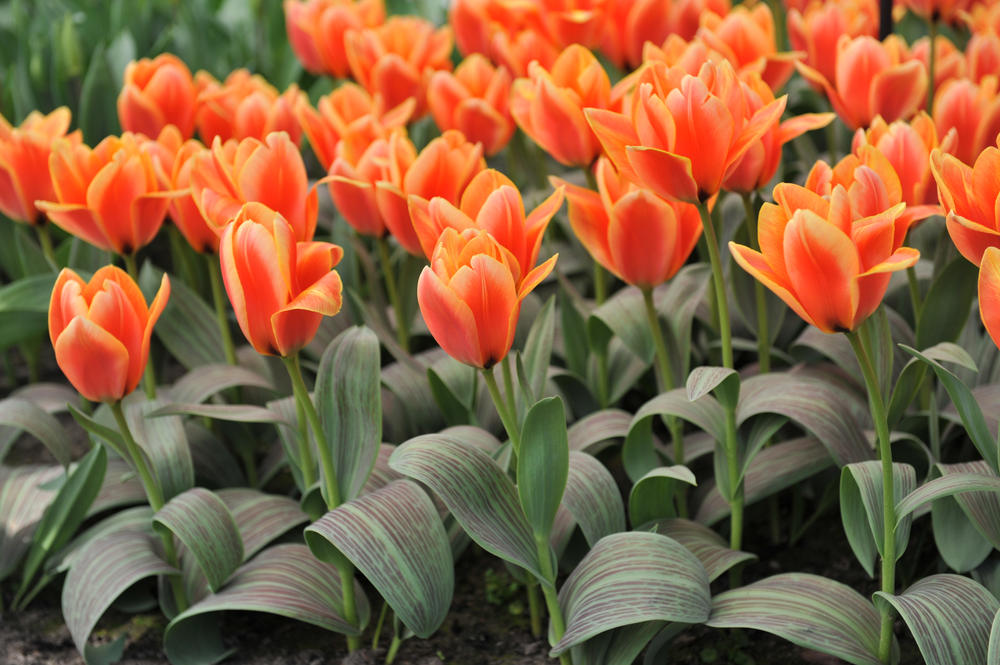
x,y
932,31
333,496
877,406
149,375
45,242
535,608
155,497
718,281
221,315
549,591
392,292
508,419
600,275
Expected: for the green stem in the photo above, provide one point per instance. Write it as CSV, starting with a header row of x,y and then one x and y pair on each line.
x,y
763,328
307,464
220,301
392,292
603,390
535,609
378,626
45,242
736,487
931,62
915,300
508,389
393,650
508,419
149,375
549,591
719,284
877,406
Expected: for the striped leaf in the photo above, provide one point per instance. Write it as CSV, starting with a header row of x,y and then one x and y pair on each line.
x,y
808,610
206,380
261,517
630,578
284,580
349,400
237,413
449,399
476,490
203,523
188,329
139,518
24,494
861,509
950,617
21,414
723,381
958,541
165,444
543,464
121,487
395,538
981,508
616,647
214,465
771,470
592,498
817,405
99,432
652,496
538,349
948,485
103,570
381,474
601,427
638,453
993,652
707,545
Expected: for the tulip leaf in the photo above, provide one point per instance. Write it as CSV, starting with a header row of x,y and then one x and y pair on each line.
x,y
202,382
104,569
981,508
99,432
24,308
912,376
408,401
601,427
807,610
237,413
453,386
476,490
573,333
395,538
631,578
947,485
958,541
213,464
284,580
950,617
538,349
188,328
707,545
723,381
65,513
260,517
33,419
861,508
620,646
138,518
349,401
652,496
122,487
993,651
543,464
946,307
24,495
164,442
592,497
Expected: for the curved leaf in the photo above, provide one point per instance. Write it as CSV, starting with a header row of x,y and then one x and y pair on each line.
x,y
24,495
725,382
395,537
538,349
27,416
808,610
237,413
592,498
981,508
993,652
946,306
652,496
599,427
187,328
951,484
958,541
639,455
630,578
543,464
206,380
707,545
861,509
165,443
261,517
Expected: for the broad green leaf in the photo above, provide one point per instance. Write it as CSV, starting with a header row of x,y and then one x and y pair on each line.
x,y
164,442
652,496
538,349
382,475
861,509
476,490
284,580
64,515
203,523
981,508
452,408
573,334
122,487
24,494
33,419
959,543
624,315
261,517
993,652
395,538
104,569
620,646
630,578
807,610
543,464
912,376
188,329
99,432
947,485
407,396
202,382
601,427
946,307
707,545
237,413
138,518
349,400
592,498
723,381
24,308
950,617
214,465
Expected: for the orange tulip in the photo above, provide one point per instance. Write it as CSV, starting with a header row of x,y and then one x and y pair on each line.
x,y
983,55
396,59
971,196
470,296
989,292
100,331
629,24
938,10
973,111
549,105
473,100
826,257
516,51
491,203
244,106
872,78
642,239
157,93
316,30
816,30
950,62
175,162
269,172
24,162
280,288
746,38
478,22
347,121
109,196
682,134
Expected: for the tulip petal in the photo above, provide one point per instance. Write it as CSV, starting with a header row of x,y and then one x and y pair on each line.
x,y
117,184
155,309
589,221
898,92
93,360
249,259
989,293
76,220
488,288
642,234
536,277
394,211
449,320
296,324
667,174
971,238
355,199
615,132
66,302
754,263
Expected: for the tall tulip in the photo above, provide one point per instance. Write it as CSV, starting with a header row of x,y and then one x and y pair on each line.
x,y
473,100
971,197
817,28
101,329
244,106
989,292
157,92
316,30
973,111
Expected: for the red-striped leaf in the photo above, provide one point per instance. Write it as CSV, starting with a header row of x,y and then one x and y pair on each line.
x,y
951,484
543,464
381,474
202,382
861,509
993,653
165,444
707,545
214,465
808,610
950,617
652,496
20,414
597,428
24,494
261,517
723,381
395,538
187,328
121,487
981,508
237,413
139,518
638,453
592,498
630,578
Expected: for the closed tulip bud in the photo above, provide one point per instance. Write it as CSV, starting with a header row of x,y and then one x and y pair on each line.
x,y
280,289
746,37
316,30
470,296
973,111
816,30
989,293
245,106
157,93
473,100
175,161
100,331
971,197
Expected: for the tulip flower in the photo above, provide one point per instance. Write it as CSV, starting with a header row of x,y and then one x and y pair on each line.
x,y
473,100
280,289
971,197
949,62
478,22
632,23
316,30
24,162
109,196
470,296
983,55
746,37
816,30
938,10
989,292
157,93
826,257
244,106
642,239
973,111
100,331
269,172
175,163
